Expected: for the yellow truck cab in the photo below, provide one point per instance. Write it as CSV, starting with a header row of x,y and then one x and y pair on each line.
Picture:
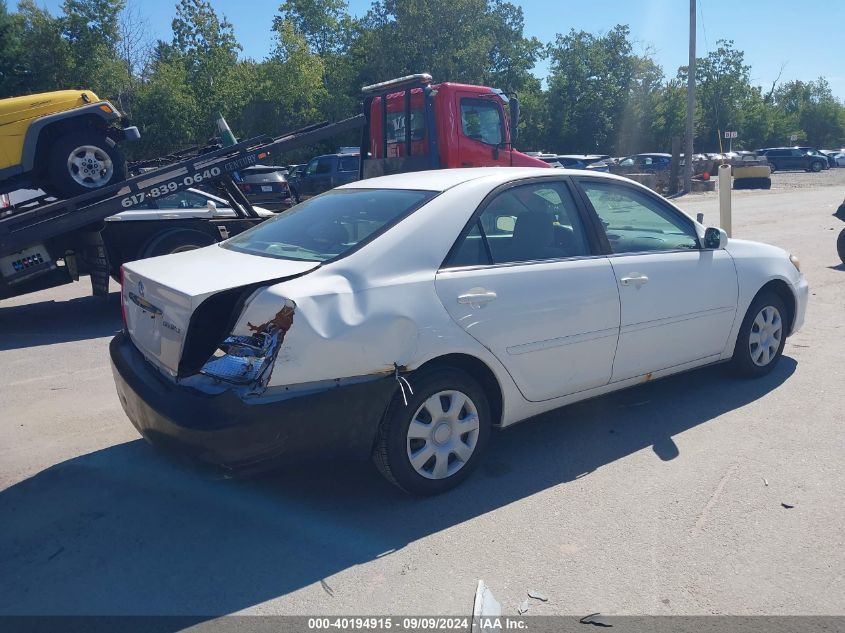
x,y
64,142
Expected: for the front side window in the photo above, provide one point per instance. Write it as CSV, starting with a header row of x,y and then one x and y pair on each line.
x,y
331,225
635,221
481,120
526,223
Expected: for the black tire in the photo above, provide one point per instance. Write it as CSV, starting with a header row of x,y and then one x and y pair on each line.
x,y
840,245
772,167
816,166
63,179
175,241
743,357
392,445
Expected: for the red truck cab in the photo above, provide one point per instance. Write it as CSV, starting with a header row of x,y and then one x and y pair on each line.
x,y
451,125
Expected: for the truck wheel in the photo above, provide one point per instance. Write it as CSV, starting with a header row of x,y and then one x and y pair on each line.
x,y
432,443
816,166
82,161
840,245
175,241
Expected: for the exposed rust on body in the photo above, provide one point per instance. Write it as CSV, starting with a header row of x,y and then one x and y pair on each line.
x,y
647,377
281,322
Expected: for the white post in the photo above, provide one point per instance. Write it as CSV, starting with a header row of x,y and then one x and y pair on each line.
x,y
725,198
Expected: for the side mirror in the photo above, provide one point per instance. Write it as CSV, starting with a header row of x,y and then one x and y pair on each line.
x,y
715,238
211,206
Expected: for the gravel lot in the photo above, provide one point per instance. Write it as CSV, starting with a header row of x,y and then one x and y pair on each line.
x,y
662,499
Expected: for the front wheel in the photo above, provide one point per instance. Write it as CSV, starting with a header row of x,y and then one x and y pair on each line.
x,y
83,161
759,344
816,166
434,442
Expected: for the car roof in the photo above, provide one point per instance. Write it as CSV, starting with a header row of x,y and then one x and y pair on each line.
x,y
443,179
338,155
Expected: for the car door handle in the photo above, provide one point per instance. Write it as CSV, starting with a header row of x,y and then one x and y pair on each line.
x,y
634,279
477,297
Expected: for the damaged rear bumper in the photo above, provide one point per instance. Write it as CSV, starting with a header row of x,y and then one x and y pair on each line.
x,y
223,429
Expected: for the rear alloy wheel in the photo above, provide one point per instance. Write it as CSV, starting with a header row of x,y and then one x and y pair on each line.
x,y
433,443
762,336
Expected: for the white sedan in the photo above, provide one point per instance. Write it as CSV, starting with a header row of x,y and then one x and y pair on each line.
x,y
402,318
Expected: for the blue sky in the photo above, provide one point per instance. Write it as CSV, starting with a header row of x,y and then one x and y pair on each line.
x,y
805,35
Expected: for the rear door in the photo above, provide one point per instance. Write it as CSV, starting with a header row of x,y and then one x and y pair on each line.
x,y
525,282
678,300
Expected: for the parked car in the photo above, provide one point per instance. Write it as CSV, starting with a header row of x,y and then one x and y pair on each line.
x,y
404,317
267,186
781,158
840,159
817,152
643,163
327,172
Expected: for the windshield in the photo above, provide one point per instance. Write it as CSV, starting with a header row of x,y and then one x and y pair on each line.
x,y
330,225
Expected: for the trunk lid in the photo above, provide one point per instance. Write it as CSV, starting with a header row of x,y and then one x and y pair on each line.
x,y
161,294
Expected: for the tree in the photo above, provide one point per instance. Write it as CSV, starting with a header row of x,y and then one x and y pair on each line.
x,y
91,31
722,93
599,92
207,47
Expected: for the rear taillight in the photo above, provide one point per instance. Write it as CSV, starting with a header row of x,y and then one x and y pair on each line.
x,y
245,188
5,203
123,301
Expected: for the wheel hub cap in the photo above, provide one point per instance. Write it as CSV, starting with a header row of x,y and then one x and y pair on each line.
x,y
443,434
90,166
766,335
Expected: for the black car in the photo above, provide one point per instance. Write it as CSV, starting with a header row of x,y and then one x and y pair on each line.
x,y
266,186
805,158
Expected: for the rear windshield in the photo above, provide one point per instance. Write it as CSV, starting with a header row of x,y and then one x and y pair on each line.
x,y
250,175
331,225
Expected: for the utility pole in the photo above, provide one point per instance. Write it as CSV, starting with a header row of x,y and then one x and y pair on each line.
x,y
690,101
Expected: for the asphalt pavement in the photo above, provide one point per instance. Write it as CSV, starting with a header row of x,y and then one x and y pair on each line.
x,y
668,498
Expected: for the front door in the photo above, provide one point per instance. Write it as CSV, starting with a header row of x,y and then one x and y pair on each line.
x,y
524,282
481,132
678,300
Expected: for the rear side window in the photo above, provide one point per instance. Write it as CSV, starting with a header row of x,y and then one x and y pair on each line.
x,y
532,222
396,126
348,163
331,225
481,120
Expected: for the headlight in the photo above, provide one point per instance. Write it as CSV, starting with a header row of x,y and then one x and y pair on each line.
x,y
795,262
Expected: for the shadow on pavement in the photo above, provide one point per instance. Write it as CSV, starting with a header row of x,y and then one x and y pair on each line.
x,y
49,322
125,531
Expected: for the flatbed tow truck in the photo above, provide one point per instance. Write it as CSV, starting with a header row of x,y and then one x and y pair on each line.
x,y
408,124
46,242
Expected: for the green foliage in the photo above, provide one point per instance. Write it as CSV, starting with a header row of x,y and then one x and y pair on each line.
x,y
600,92
601,95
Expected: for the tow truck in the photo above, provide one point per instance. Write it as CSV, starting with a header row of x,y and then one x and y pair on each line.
x,y
408,124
